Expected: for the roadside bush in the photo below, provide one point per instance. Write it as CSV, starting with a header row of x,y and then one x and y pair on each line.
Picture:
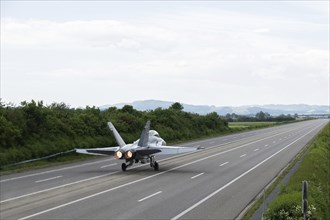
x,y
33,130
288,207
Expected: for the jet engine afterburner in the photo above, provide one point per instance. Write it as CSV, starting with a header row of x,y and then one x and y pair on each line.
x,y
118,154
129,154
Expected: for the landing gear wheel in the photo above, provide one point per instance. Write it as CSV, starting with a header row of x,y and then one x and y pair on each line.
x,y
156,166
152,161
123,166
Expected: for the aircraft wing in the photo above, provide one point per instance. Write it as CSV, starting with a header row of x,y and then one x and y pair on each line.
x,y
173,149
106,151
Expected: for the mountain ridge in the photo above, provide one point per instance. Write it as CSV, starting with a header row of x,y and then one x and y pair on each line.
x,y
273,109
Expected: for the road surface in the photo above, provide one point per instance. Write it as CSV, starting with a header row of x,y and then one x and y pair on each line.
x,y
217,182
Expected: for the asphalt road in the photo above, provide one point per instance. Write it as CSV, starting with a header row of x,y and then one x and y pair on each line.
x,y
217,182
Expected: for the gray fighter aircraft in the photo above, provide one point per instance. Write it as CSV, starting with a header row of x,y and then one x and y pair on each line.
x,y
142,150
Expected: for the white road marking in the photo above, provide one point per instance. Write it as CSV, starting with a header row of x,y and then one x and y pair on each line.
x,y
223,164
56,187
51,171
52,178
243,155
280,139
266,145
175,168
237,178
193,177
256,149
274,142
150,196
110,165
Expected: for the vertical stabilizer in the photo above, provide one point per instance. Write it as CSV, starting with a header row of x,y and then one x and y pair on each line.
x,y
119,140
144,138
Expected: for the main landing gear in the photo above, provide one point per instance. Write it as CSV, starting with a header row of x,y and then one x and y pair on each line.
x,y
124,165
153,164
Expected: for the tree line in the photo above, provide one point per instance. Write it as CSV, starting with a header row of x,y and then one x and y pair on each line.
x,y
260,116
33,130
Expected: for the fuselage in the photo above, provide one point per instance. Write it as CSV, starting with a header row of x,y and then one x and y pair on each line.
x,y
128,151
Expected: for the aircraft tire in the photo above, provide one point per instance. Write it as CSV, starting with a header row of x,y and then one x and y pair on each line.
x,y
156,166
123,166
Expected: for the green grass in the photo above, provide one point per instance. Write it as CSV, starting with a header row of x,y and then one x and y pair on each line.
x,y
240,126
315,169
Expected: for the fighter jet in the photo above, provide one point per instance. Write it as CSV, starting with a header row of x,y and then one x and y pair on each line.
x,y
142,150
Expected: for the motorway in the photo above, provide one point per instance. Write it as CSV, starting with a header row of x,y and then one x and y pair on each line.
x,y
217,182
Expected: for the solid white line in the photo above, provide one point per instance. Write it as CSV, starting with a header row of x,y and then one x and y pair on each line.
x,y
256,149
56,187
51,171
223,164
110,165
149,196
157,174
243,155
193,177
39,181
237,178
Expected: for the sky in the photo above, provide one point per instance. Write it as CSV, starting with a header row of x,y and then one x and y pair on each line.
x,y
222,53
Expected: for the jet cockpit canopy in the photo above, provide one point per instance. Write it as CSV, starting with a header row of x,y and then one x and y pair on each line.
x,y
153,133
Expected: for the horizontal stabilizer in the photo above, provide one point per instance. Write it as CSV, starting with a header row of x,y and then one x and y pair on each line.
x,y
99,151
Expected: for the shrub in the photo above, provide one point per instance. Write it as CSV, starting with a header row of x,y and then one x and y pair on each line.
x,y
288,207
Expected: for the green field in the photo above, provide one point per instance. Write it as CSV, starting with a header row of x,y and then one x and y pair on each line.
x,y
314,168
250,125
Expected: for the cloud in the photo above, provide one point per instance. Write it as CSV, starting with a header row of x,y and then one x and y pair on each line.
x,y
191,54
80,34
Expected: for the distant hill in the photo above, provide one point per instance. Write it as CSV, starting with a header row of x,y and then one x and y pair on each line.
x,y
241,110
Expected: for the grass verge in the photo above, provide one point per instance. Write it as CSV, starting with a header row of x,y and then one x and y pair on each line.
x,y
315,169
